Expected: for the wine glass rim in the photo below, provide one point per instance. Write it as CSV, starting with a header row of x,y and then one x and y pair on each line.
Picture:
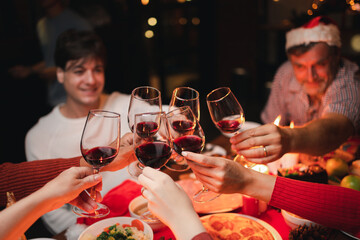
x,y
150,113
149,87
181,109
221,98
188,99
106,113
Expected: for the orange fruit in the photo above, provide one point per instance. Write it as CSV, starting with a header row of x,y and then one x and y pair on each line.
x,y
351,181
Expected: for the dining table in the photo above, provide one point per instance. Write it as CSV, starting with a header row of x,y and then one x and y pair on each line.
x,y
118,200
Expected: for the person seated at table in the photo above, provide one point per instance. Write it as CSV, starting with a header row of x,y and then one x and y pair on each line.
x,y
19,177
68,187
80,58
316,89
329,205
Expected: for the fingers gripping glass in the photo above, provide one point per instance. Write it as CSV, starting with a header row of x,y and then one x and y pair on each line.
x,y
100,143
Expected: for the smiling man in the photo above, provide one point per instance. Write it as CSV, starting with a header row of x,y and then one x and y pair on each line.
x,y
316,89
80,58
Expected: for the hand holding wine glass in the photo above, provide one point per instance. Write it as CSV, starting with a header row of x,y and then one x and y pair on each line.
x,y
187,135
152,145
100,143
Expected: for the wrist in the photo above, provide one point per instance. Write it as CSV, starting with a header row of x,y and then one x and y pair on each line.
x,y
187,227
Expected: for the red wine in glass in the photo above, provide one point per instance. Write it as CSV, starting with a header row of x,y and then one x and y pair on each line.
x,y
100,156
153,154
146,129
189,143
99,145
183,126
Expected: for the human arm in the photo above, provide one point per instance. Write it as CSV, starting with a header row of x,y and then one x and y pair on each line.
x,y
226,176
46,73
69,187
170,204
317,137
19,178
332,206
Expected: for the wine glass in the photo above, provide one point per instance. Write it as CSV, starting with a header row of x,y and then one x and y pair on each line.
x,y
187,135
151,143
100,143
143,99
227,114
183,96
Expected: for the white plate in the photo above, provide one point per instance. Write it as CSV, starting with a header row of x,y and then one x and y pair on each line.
x,y
272,230
98,227
348,234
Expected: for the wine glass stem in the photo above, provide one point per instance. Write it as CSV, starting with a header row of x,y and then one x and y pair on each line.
x,y
93,190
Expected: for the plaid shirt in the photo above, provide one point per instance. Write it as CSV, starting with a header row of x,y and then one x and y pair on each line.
x,y
288,99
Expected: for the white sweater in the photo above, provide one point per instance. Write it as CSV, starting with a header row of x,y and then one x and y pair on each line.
x,y
55,136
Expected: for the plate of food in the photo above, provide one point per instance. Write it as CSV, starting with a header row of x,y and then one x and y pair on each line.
x,y
117,228
238,226
224,203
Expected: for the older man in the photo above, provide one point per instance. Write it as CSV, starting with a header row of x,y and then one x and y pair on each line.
x,y
315,88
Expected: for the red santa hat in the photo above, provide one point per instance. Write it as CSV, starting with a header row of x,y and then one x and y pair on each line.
x,y
319,29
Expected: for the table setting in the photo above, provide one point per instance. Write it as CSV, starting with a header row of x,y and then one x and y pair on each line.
x,y
159,139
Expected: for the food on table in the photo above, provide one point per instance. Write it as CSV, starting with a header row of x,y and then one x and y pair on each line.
x,y
351,181
337,167
234,226
355,168
312,173
309,232
135,231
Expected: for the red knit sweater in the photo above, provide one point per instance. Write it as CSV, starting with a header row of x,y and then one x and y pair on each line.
x,y
332,206
27,177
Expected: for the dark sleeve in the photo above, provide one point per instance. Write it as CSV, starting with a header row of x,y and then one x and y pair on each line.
x,y
202,236
27,177
332,206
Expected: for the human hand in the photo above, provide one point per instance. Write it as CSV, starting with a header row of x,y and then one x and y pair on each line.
x,y
69,187
262,144
218,174
169,202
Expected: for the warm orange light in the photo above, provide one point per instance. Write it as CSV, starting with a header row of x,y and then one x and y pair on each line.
x,y
292,124
144,2
309,12
277,120
314,6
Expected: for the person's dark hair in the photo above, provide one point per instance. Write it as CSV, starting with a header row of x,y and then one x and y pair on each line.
x,y
74,45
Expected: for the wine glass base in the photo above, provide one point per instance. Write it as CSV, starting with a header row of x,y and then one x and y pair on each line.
x,y
205,195
100,212
177,166
149,217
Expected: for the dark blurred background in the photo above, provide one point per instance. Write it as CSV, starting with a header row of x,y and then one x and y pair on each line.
x,y
166,43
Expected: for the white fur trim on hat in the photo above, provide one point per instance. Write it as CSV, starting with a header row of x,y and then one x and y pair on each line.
x,y
329,34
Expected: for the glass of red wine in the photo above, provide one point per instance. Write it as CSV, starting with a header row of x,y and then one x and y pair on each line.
x,y
226,113
187,135
151,140
100,143
183,96
143,99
